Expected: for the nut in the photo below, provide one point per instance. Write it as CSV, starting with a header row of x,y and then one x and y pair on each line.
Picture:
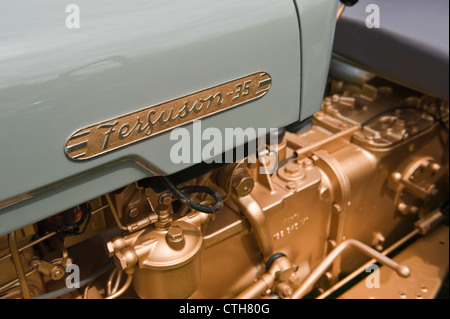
x,y
126,259
242,182
164,219
116,245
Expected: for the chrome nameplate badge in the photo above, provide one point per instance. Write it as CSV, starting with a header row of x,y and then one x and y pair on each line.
x,y
124,130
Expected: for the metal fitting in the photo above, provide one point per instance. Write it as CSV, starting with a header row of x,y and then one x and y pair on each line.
x,y
175,237
242,182
116,245
164,218
55,272
126,260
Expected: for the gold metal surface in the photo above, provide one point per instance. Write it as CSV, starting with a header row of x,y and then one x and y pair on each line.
x,y
130,128
373,184
428,259
18,265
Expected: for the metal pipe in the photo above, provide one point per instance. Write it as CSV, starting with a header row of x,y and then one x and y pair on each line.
x,y
117,283
280,271
307,285
255,216
303,150
258,287
340,11
114,212
364,267
117,276
18,265
14,281
423,226
37,241
123,289
110,280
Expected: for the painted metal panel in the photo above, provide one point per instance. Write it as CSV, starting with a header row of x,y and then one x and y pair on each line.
x,y
127,56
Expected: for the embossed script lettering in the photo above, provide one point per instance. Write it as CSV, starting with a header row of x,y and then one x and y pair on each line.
x,y
125,130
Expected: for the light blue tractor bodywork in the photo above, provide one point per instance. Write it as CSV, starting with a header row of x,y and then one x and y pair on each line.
x,y
128,55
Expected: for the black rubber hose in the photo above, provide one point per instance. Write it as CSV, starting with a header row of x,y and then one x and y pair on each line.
x,y
181,195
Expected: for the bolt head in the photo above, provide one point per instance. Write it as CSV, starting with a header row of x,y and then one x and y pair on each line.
x,y
133,212
291,168
120,261
110,249
57,273
175,234
291,185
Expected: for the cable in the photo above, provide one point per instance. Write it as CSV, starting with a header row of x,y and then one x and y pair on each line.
x,y
63,291
181,195
435,118
285,161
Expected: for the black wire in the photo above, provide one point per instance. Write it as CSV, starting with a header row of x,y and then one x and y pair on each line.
x,y
435,118
181,194
285,161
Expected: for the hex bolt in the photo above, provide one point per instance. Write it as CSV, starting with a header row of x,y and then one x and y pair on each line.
x,y
291,185
242,182
116,245
164,219
175,237
133,212
175,234
291,168
126,260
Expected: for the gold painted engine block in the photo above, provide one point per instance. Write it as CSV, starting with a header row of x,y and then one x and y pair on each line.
x,y
365,180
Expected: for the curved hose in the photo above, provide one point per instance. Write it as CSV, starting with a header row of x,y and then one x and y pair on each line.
x,y
181,194
63,291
